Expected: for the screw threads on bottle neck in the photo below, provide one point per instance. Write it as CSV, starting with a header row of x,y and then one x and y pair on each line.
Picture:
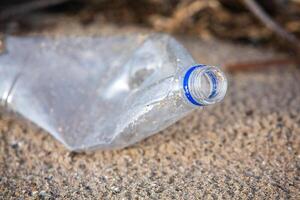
x,y
204,85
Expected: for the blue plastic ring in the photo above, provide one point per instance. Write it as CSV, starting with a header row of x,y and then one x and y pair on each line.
x,y
186,88
186,85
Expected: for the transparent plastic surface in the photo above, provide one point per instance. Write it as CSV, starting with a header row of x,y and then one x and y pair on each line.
x,y
104,92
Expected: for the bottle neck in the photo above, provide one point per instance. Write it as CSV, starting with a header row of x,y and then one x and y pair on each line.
x,y
204,85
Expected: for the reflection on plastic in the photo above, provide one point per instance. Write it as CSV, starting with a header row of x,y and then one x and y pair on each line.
x,y
104,92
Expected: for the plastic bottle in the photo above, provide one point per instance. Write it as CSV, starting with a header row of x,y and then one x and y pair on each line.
x,y
104,92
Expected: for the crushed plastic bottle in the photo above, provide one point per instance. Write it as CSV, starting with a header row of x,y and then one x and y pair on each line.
x,y
104,92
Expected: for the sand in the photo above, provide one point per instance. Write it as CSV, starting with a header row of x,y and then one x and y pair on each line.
x,y
247,147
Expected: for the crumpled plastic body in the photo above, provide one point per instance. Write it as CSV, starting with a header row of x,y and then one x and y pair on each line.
x,y
98,92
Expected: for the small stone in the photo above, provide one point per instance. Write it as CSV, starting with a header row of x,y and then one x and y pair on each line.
x,y
44,195
34,193
115,189
15,145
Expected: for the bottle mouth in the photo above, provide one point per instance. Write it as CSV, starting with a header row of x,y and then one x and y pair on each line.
x,y
204,85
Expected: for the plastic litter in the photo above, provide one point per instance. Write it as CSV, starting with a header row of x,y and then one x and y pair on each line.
x,y
104,92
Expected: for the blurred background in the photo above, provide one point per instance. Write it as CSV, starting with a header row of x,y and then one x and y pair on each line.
x,y
260,22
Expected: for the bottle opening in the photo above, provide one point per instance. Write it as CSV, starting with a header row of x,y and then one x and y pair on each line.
x,y
204,85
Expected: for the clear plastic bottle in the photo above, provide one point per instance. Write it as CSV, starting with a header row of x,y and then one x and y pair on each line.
x,y
104,92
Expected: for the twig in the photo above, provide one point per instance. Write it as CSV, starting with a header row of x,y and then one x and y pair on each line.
x,y
271,24
27,7
259,64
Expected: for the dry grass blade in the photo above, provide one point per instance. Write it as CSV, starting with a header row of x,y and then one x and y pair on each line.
x,y
182,14
259,64
271,24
